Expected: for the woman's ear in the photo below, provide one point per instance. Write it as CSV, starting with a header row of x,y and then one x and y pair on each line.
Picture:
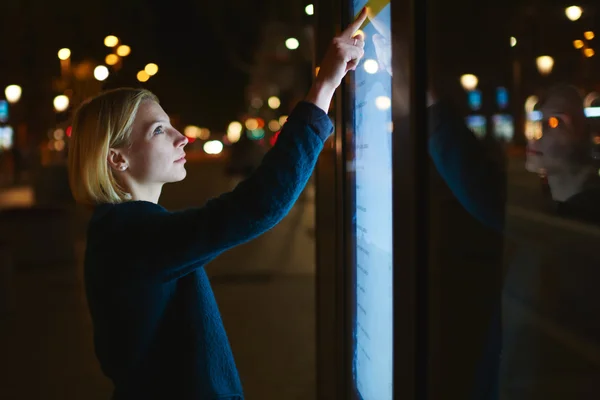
x,y
116,160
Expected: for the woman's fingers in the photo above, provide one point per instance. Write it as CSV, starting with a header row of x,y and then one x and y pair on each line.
x,y
353,27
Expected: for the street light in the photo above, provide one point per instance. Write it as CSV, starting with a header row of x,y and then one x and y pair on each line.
x,y
309,9
292,43
274,102
123,50
589,35
61,103
151,69
573,12
143,76
100,73
64,54
578,44
13,93
469,82
589,52
111,59
513,41
111,41
545,64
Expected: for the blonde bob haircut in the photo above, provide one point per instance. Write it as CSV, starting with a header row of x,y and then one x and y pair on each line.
x,y
99,124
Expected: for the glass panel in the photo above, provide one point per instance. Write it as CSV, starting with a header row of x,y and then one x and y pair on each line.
x,y
371,174
514,200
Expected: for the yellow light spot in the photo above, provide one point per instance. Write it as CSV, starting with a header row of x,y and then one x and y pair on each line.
x,y
123,50
578,44
143,76
589,35
151,69
251,124
553,122
111,59
589,53
111,41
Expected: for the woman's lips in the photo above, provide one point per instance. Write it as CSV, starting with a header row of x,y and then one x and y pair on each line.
x,y
181,160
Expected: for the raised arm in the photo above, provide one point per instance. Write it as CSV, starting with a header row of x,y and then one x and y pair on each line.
x,y
170,244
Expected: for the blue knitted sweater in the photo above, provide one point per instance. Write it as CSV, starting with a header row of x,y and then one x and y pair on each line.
x,y
158,333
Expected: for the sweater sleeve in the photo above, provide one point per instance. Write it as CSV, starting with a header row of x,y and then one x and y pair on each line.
x,y
168,245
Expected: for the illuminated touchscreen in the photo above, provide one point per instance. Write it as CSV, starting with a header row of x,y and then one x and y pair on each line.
x,y
373,355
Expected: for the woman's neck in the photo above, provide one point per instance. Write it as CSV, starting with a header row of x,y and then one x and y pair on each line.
x,y
567,184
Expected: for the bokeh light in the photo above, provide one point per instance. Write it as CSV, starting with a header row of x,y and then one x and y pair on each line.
x,y
61,103
292,43
143,76
111,41
123,50
101,73
274,102
151,69
64,54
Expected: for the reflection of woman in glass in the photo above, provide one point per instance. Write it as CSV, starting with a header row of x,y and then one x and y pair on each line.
x,y
564,154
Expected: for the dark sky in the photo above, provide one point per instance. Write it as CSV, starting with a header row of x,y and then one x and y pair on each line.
x,y
202,46
197,78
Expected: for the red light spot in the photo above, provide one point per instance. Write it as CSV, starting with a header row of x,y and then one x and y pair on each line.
x,y
261,122
191,140
69,131
273,139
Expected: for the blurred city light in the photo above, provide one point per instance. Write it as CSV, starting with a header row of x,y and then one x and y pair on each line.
x,y
111,59
589,52
553,122
589,35
274,102
283,119
292,43
59,145
213,147
274,125
61,103
59,134
191,131
513,41
204,134
578,44
64,54
143,76
13,93
256,134
235,127
251,124
317,69
573,13
383,103
111,41
100,73
469,82
234,132
371,66
256,102
545,64
530,104
123,50
309,9
151,69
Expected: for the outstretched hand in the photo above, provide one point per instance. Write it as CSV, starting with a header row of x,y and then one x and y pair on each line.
x,y
343,54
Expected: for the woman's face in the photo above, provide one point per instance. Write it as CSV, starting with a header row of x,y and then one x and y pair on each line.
x,y
156,154
559,148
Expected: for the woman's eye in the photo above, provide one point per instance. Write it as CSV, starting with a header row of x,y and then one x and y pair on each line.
x,y
159,130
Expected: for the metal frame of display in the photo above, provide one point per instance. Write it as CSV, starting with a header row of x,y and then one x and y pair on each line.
x,y
336,274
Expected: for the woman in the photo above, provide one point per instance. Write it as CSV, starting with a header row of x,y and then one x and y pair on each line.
x,y
157,329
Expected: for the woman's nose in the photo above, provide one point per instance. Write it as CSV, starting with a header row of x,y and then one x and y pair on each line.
x,y
181,140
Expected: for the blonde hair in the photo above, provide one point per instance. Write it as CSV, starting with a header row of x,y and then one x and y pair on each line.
x,y
99,124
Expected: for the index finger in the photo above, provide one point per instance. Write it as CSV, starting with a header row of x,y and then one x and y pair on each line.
x,y
353,27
